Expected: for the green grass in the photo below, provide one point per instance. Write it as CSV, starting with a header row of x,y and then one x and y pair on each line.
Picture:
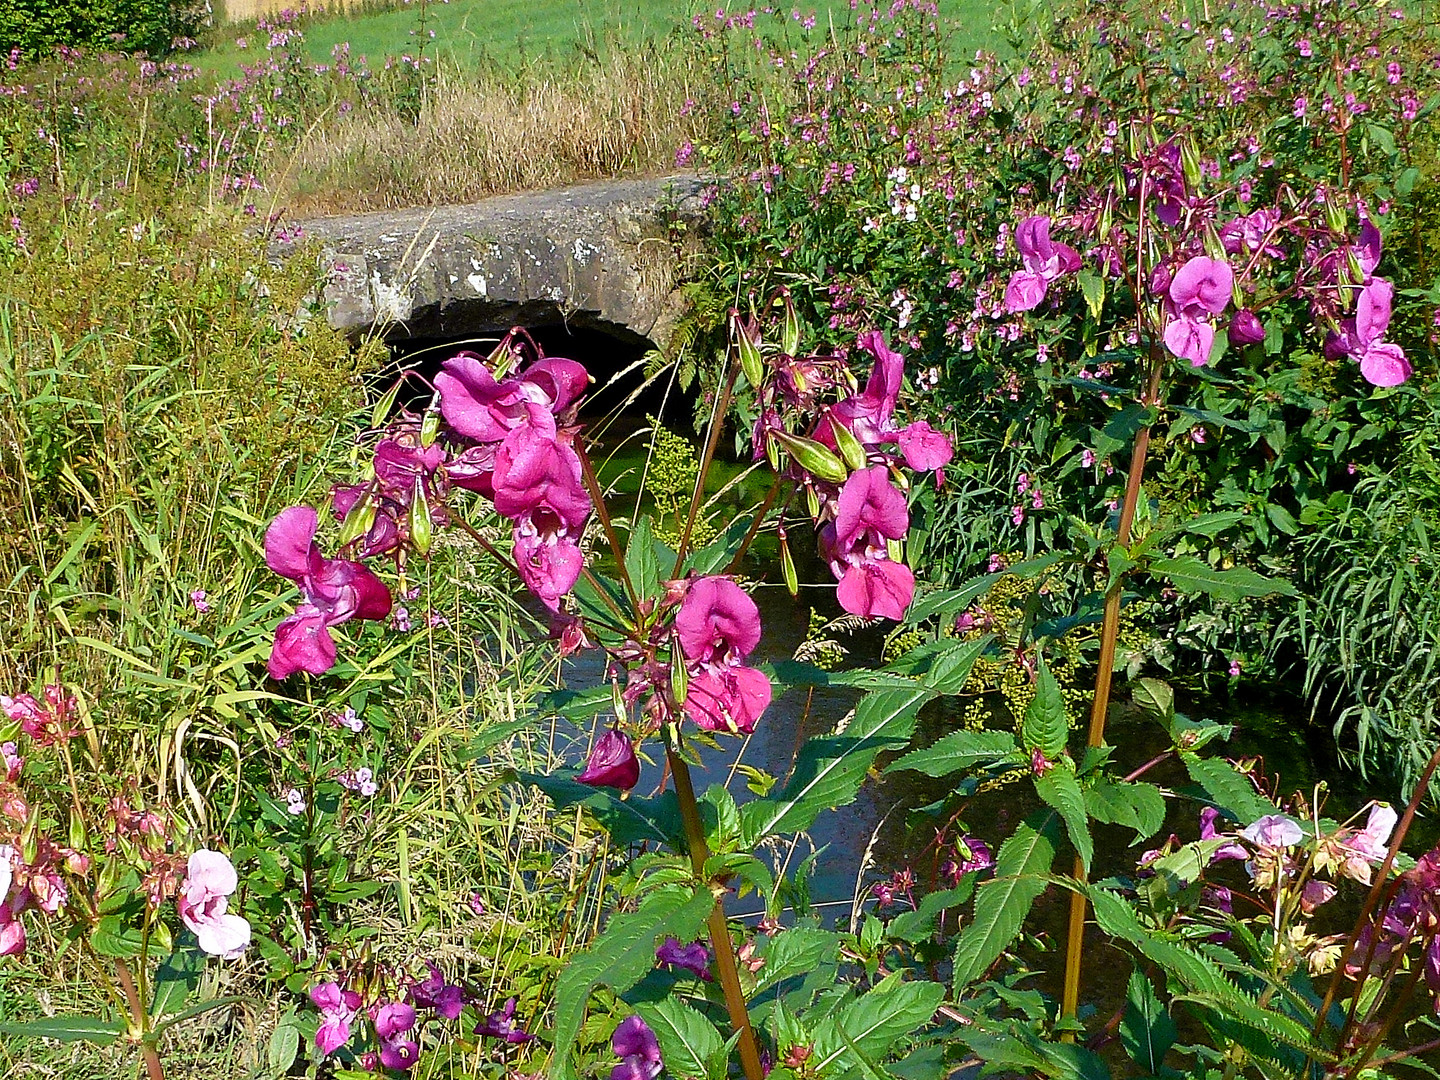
x,y
515,33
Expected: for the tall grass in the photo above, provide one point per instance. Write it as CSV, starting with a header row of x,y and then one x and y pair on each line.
x,y
489,131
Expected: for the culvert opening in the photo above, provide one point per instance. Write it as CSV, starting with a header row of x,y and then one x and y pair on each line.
x,y
614,356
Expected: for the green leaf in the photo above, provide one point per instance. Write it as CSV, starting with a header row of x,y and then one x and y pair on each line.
x,y
829,770
175,980
1046,726
622,954
874,1023
915,926
720,552
1002,904
65,1029
1228,789
1191,575
115,936
687,1040
1154,697
958,750
795,952
1092,287
1136,806
641,562
628,821
284,1047
1060,790
1146,1029
950,668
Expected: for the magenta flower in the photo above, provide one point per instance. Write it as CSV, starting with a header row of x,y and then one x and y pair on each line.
x,y
393,1024
973,854
333,591
337,1011
1202,283
924,448
694,958
870,512
1246,328
1044,259
717,622
638,1049
538,485
477,405
1190,339
728,698
1230,850
1250,233
433,992
501,1025
869,415
612,763
12,931
202,902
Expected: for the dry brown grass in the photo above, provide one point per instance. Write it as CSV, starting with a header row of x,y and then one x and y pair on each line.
x,y
489,132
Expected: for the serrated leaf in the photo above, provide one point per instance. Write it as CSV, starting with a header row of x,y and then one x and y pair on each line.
x,y
1227,788
687,1040
1154,697
1061,791
1146,1030
795,952
641,562
628,821
622,954
956,751
829,770
915,926
176,979
950,667
1191,575
1045,726
1137,806
1002,904
874,1023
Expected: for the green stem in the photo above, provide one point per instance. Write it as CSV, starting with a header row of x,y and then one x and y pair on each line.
x,y
597,496
717,421
1100,705
720,942
153,1068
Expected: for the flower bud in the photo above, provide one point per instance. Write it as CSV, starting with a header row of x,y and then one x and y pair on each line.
x,y
430,427
612,763
1246,328
1190,163
747,344
790,336
422,529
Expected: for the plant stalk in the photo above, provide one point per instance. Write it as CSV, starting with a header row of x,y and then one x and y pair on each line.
x,y
153,1068
719,930
1100,705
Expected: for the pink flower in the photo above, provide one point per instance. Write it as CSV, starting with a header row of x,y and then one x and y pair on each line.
x,y
1044,261
1274,831
638,1049
869,414
1381,363
333,591
1230,850
870,512
1373,841
477,405
1315,893
13,763
392,1023
727,698
1246,329
612,763
202,903
200,602
973,854
1202,283
924,448
538,485
717,621
337,1010
1190,339
501,1025
694,958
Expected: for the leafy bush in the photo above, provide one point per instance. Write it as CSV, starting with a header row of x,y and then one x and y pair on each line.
x,y
35,27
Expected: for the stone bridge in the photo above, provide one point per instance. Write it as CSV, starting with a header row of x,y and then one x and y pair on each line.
x,y
604,257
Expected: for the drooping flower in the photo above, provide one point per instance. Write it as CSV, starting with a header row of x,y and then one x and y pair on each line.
x,y
1044,259
337,1011
729,698
717,622
1202,283
869,415
1274,831
972,854
333,591
501,1025
538,485
638,1049
1246,328
477,405
694,958
393,1024
203,901
924,448
1228,850
869,512
612,762
1381,363
433,992
1190,338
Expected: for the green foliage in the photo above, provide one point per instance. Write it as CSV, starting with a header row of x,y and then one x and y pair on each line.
x,y
38,26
